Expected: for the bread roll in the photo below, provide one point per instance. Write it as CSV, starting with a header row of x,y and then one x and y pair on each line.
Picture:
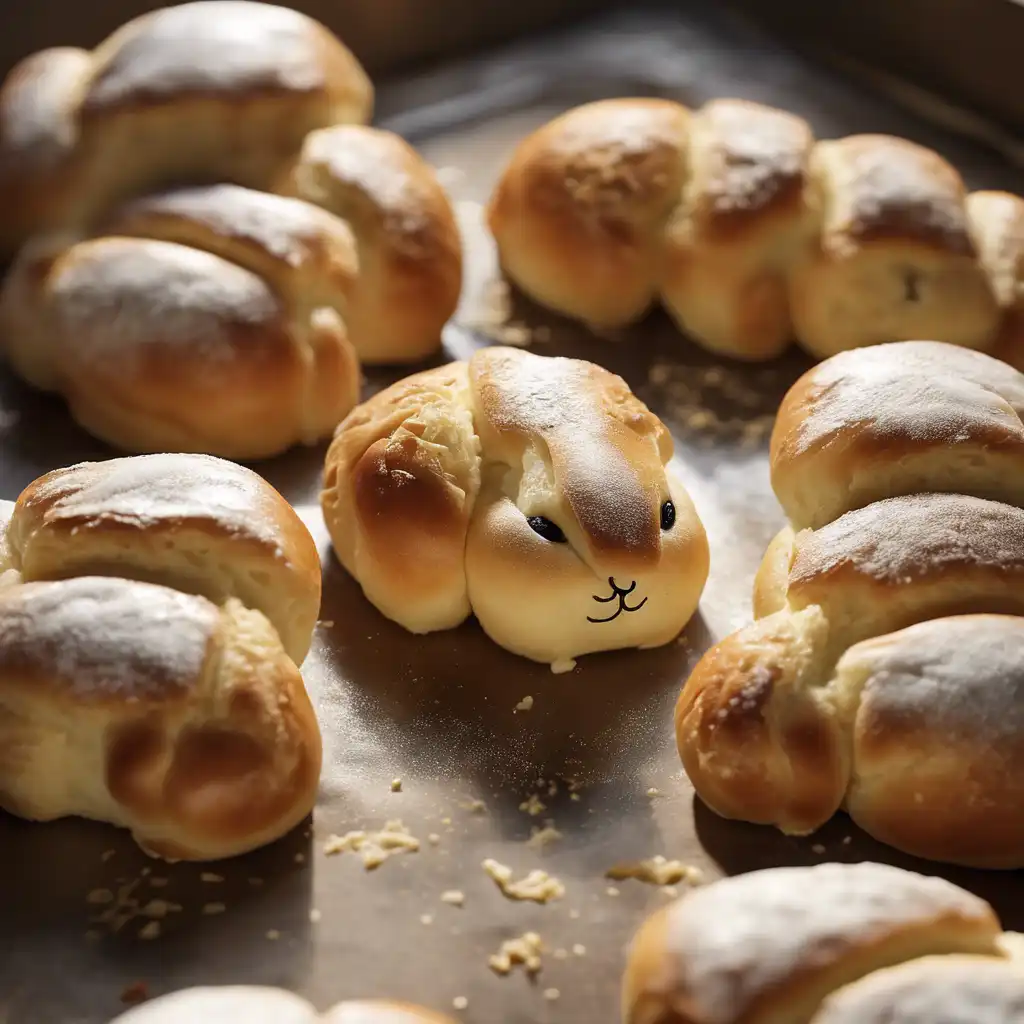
x,y
152,614
751,234
770,945
193,522
154,710
530,491
262,1005
898,419
881,674
224,90
208,320
932,990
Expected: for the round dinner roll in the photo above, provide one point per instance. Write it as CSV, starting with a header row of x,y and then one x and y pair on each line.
x,y
153,710
932,990
771,945
194,522
751,234
531,491
252,1004
898,419
222,90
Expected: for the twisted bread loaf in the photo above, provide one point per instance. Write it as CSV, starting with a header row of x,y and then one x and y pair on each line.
x,y
216,91
213,317
772,946
151,619
530,491
751,234
253,1004
883,673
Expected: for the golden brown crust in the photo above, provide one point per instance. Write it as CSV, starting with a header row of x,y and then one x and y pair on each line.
x,y
771,945
897,419
194,522
751,234
530,490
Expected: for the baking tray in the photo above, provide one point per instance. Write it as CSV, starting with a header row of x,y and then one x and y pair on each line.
x,y
439,712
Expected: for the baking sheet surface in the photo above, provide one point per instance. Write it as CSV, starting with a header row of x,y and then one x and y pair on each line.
x,y
440,712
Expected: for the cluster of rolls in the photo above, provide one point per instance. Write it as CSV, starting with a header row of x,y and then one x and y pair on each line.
x,y
154,611
532,492
750,233
831,944
207,237
884,673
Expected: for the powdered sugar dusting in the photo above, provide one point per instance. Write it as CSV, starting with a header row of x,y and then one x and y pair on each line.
x,y
102,638
148,489
118,296
737,940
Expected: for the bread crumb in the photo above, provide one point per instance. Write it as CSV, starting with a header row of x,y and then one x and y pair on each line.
x,y
107,854
273,934
135,993
453,897
214,908
574,914
209,876
525,950
525,704
150,930
551,994
396,785
538,886
847,840
300,858
475,806
160,908
670,892
612,891
562,666
157,882
98,897
574,796
374,847
326,623
460,1002
433,839
655,871
541,837
446,821
533,806
818,848
315,916
426,919
652,792
579,950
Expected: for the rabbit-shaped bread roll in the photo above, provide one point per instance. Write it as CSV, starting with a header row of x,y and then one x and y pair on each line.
x,y
886,657
775,945
257,1004
153,612
751,234
531,491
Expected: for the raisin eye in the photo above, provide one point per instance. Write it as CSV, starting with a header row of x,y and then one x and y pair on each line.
x,y
546,529
668,515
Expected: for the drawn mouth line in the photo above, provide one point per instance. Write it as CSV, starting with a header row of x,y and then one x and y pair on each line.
x,y
618,592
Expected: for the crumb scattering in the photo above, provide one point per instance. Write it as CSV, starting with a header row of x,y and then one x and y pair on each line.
x,y
158,882
273,934
653,792
541,837
538,886
433,839
453,897
460,1002
579,949
396,785
524,951
818,848
426,919
315,916
551,994
150,930
533,805
107,855
374,847
475,806
214,908
562,666
210,877
655,871
612,891
100,896
300,858
525,704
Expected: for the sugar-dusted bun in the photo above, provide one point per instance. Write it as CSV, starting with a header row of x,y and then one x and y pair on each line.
x,y
898,419
932,990
209,319
193,522
517,487
252,1004
225,90
895,258
770,945
154,710
752,234
410,251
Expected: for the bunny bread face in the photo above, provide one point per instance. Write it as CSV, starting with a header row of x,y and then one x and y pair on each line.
x,y
530,491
